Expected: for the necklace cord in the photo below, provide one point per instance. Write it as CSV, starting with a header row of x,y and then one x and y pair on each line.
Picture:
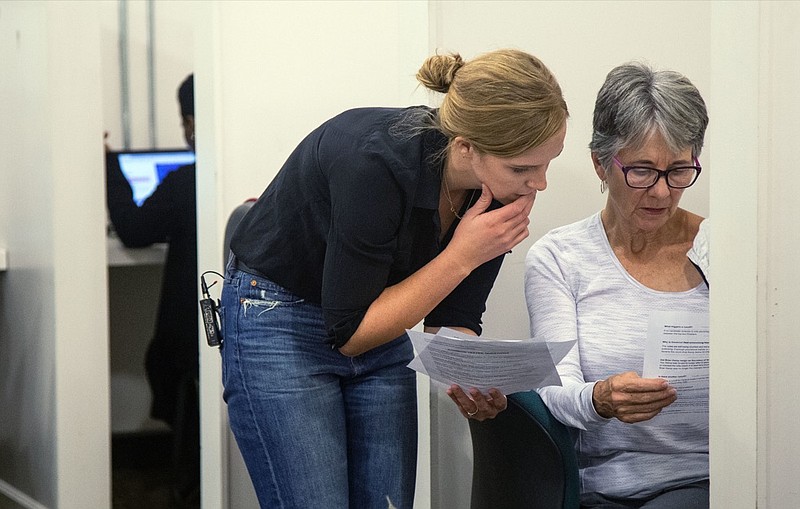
x,y
450,199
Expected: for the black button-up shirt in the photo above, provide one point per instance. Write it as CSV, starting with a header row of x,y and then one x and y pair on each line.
x,y
354,210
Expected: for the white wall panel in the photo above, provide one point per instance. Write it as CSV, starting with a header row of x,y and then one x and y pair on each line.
x,y
779,207
54,367
735,210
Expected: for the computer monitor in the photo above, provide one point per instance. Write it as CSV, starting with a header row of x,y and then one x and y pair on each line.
x,y
145,169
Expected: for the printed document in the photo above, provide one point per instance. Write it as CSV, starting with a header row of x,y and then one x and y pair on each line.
x,y
509,365
677,350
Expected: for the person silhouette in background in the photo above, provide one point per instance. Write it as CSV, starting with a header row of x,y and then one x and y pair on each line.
x,y
169,215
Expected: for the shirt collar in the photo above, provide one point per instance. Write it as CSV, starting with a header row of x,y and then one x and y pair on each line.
x,y
430,178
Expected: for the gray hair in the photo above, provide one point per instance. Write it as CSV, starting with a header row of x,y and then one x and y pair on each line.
x,y
636,101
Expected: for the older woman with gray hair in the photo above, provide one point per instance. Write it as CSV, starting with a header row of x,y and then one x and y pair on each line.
x,y
599,280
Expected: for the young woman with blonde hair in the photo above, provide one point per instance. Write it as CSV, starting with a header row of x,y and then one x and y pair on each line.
x,y
380,218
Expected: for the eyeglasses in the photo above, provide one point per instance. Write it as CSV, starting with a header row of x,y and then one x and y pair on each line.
x,y
643,177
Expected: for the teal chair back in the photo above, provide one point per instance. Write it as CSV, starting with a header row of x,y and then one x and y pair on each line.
x,y
523,459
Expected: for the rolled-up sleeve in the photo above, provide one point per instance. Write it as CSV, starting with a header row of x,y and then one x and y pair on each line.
x,y
465,305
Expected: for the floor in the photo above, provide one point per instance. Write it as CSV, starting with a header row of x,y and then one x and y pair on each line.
x,y
7,503
142,471
141,474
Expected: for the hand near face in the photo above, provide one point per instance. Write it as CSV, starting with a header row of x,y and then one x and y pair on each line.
x,y
482,236
630,398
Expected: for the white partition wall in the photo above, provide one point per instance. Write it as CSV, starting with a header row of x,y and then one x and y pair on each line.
x,y
737,123
779,245
755,444
54,423
146,49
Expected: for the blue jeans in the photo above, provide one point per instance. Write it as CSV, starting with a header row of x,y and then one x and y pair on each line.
x,y
316,429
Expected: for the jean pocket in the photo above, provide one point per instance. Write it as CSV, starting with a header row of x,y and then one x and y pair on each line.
x,y
264,295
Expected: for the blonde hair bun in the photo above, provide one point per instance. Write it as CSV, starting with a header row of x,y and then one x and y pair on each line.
x,y
438,71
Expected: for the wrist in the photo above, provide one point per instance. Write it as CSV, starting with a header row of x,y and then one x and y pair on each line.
x,y
601,406
456,264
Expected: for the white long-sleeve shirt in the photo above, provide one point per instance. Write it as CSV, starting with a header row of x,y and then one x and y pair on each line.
x,y
576,288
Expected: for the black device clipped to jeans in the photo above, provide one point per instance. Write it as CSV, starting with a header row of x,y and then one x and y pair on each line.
x,y
210,312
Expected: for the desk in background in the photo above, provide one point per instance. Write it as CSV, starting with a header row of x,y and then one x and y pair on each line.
x,y
121,256
134,287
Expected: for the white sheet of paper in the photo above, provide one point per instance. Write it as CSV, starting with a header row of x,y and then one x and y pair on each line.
x,y
510,365
677,350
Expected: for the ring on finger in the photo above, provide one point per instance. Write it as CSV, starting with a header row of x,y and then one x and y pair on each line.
x,y
470,414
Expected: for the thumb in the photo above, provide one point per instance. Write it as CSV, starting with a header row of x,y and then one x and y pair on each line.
x,y
483,202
